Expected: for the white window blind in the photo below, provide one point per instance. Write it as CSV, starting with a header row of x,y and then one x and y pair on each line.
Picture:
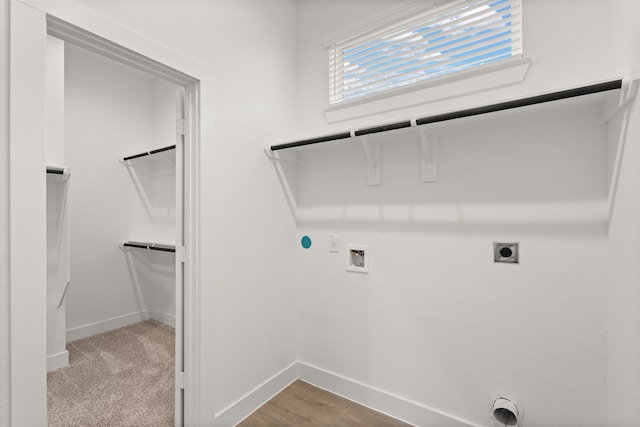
x,y
431,43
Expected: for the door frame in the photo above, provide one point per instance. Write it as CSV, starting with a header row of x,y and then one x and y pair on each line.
x,y
29,27
187,233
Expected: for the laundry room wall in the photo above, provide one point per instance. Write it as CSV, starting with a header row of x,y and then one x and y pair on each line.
x,y
4,229
248,232
623,297
436,321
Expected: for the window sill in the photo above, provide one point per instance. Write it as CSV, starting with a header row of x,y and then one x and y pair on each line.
x,y
479,79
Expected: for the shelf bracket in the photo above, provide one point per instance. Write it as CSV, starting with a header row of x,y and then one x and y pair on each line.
x,y
372,154
428,156
269,152
628,93
66,174
276,156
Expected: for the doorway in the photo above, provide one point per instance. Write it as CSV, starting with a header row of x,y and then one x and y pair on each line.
x,y
151,183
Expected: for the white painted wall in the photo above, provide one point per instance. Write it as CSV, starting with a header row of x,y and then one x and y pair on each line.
x,y
623,308
623,295
58,267
625,35
111,112
436,321
55,102
57,271
27,211
4,222
248,312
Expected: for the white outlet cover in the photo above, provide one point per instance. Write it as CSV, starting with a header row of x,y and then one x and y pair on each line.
x,y
358,258
334,243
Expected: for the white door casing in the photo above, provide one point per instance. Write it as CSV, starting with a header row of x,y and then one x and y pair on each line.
x,y
29,27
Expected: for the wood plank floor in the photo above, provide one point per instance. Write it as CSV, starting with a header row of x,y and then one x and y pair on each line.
x,y
303,405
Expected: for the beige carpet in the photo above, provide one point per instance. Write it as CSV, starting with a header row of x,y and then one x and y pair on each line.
x,y
120,378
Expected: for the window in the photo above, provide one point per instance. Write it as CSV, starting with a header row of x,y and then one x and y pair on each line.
x,y
448,38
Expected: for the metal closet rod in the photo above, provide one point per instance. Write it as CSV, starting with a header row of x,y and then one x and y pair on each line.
x,y
508,105
150,246
55,170
148,153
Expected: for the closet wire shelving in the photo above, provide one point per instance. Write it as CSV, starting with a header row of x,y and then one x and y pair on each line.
x,y
147,245
148,153
150,246
491,108
429,142
56,170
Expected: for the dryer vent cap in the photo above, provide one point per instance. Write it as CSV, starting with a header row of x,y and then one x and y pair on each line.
x,y
505,412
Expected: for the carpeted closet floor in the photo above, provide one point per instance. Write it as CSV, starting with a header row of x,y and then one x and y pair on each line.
x,y
120,378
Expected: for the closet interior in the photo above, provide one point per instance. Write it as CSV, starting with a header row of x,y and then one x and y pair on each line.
x,y
113,198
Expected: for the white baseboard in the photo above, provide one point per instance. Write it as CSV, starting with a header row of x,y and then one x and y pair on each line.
x,y
379,400
57,361
91,329
371,397
257,397
162,317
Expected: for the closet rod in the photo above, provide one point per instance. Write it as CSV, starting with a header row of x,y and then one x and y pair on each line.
x,y
55,170
148,153
150,246
533,100
523,102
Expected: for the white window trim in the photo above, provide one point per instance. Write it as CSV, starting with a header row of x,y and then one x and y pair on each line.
x,y
478,79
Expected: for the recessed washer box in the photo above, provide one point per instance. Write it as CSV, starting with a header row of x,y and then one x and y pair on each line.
x,y
506,252
358,258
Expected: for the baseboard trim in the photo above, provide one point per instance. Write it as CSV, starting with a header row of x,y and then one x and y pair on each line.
x,y
162,317
245,406
379,400
371,397
96,328
57,361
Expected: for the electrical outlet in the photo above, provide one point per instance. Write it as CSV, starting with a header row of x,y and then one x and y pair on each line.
x,y
506,252
334,243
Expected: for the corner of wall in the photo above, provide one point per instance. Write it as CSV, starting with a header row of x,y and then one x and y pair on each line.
x,y
380,400
622,294
250,402
4,229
